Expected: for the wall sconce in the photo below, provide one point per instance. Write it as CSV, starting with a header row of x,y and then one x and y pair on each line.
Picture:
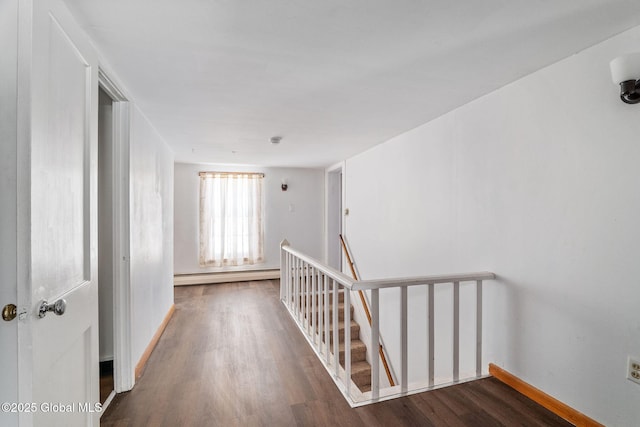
x,y
284,185
625,71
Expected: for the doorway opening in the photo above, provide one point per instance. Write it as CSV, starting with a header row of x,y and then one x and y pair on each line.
x,y
114,288
334,217
105,243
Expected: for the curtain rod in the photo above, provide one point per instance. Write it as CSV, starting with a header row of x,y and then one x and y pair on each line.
x,y
233,174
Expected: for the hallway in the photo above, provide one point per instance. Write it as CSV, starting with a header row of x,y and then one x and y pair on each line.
x,y
231,355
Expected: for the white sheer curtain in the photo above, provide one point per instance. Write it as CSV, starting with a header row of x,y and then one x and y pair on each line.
x,y
231,219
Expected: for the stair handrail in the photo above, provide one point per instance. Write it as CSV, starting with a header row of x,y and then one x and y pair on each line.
x,y
302,276
365,305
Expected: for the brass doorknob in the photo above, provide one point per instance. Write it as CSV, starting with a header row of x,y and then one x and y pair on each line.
x,y
9,312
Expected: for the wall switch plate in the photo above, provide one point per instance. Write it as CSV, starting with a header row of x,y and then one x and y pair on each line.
x,y
633,369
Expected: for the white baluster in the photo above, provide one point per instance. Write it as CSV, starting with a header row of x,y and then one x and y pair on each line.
x,y
336,333
291,281
287,278
320,309
375,342
284,278
403,341
347,341
456,331
298,288
307,285
314,307
282,258
431,333
478,328
327,321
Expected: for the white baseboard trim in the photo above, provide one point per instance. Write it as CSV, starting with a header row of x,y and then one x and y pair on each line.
x,y
224,277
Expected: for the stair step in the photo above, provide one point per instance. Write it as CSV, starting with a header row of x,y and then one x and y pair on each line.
x,y
320,295
364,387
360,368
358,352
361,374
355,331
340,312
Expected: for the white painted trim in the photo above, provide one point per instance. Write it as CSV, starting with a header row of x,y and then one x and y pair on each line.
x,y
110,87
124,374
423,280
224,277
344,207
107,402
123,368
358,285
331,273
335,166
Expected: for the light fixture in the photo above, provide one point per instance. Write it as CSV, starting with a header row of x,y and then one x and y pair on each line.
x,y
275,139
284,185
625,71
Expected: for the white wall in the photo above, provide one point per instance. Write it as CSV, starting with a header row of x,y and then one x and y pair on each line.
x,y
151,198
537,182
302,226
8,198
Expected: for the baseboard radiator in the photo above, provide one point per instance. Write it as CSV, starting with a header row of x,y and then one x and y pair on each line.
x,y
224,277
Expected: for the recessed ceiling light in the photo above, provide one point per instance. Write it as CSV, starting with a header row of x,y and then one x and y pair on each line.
x,y
275,139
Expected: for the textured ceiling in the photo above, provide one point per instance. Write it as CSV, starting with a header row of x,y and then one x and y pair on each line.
x,y
218,78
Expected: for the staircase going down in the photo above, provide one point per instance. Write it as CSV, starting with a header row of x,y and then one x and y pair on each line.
x,y
309,289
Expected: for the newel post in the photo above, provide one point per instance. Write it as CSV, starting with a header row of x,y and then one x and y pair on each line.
x,y
283,269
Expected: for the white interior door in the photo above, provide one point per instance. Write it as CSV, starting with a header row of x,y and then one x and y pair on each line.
x,y
61,350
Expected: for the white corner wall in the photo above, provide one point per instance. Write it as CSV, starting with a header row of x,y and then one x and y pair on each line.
x,y
151,204
8,200
539,183
295,214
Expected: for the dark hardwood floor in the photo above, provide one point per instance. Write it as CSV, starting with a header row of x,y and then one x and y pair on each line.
x,y
232,356
106,387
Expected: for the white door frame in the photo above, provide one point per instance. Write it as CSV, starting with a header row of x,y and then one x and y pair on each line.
x,y
330,172
123,368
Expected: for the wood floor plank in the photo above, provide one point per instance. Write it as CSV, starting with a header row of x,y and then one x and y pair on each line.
x,y
396,412
435,410
232,356
503,411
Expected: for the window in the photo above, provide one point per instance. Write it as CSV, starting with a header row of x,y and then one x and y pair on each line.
x,y
231,219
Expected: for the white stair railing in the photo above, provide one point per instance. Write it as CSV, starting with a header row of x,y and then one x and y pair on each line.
x,y
310,290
